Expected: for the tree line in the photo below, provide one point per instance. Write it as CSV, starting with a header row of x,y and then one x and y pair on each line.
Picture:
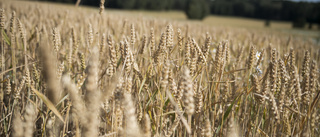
x,y
299,13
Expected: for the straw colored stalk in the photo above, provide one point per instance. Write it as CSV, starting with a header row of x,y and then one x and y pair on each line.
x,y
92,97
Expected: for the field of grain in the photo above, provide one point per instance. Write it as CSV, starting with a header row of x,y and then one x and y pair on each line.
x,y
79,71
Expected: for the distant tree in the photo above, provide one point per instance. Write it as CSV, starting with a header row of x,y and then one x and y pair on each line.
x,y
221,7
197,9
317,16
170,4
300,15
267,23
180,4
126,4
157,4
313,14
299,22
90,2
111,4
141,4
239,8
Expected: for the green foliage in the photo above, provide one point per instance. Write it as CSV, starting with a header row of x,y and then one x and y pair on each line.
x,y
267,23
141,4
157,4
170,4
126,4
297,12
180,4
221,7
299,22
197,9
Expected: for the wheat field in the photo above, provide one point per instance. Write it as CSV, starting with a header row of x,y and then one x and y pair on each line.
x,y
71,71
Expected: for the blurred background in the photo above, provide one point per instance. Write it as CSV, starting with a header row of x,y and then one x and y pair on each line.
x,y
301,13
